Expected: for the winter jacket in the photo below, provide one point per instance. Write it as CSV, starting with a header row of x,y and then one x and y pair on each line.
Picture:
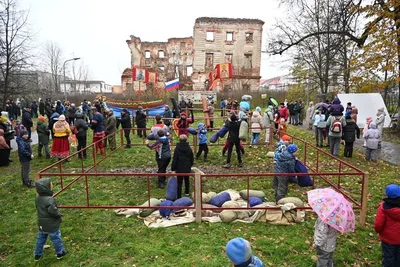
x,y
336,108
6,126
49,217
211,110
41,108
183,159
71,112
318,117
325,236
296,109
285,163
61,129
161,147
126,121
372,136
350,131
283,113
280,147
354,114
243,114
111,124
27,119
290,108
268,118
43,132
331,120
167,114
52,120
233,130
34,107
202,134
97,125
59,108
24,150
222,104
3,143
387,221
183,124
256,122
140,119
380,121
158,126
48,109
82,126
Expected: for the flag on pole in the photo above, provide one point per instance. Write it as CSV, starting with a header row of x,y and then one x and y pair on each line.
x,y
172,85
151,77
224,71
139,74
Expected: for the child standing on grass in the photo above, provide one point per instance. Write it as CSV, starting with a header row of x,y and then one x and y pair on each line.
x,y
387,225
282,128
281,146
372,137
44,137
182,162
25,156
256,126
202,136
325,243
49,219
368,121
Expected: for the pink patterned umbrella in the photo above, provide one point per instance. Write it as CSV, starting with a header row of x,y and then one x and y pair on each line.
x,y
333,209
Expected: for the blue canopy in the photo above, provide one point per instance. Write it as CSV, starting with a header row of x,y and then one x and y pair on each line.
x,y
152,111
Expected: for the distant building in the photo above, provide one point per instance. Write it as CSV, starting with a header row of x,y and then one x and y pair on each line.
x,y
215,41
279,83
82,87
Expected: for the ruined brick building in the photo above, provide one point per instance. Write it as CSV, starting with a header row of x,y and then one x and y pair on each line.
x,y
214,41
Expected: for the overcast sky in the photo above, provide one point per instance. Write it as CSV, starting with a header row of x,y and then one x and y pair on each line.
x,y
96,30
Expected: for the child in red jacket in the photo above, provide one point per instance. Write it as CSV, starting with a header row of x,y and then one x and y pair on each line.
x,y
387,225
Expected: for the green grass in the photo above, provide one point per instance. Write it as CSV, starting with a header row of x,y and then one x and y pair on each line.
x,y
101,238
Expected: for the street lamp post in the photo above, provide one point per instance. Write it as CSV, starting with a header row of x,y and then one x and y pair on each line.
x,y
65,86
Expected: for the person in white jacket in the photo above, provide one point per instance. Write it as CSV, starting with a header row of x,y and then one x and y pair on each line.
x,y
380,121
256,126
268,123
325,243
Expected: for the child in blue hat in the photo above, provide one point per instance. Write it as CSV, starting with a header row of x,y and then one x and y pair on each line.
x,y
239,252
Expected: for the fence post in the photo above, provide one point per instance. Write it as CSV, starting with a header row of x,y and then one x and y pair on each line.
x,y
271,138
364,200
195,143
197,193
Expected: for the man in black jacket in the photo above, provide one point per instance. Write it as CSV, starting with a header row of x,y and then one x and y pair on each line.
x,y
140,120
126,124
233,126
82,126
49,219
27,121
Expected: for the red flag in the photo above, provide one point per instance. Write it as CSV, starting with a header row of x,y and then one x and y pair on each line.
x,y
139,74
224,71
151,77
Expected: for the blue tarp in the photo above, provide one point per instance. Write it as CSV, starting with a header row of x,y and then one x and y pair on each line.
x,y
152,111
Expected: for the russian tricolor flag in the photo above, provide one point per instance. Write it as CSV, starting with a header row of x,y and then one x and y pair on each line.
x,y
172,85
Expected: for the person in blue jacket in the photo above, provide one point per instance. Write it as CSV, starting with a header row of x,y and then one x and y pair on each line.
x,y
285,164
202,137
25,156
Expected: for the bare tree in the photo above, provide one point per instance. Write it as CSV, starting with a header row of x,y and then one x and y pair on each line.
x,y
14,49
79,73
53,60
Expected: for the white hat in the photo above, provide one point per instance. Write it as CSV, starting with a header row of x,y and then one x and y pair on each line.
x,y
61,118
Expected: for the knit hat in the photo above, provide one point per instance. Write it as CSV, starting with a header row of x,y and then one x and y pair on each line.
x,y
23,132
61,118
285,138
238,250
183,114
292,148
369,118
258,109
42,118
393,191
124,110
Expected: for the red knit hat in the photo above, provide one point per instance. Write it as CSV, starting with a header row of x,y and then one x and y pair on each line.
x,y
285,138
183,114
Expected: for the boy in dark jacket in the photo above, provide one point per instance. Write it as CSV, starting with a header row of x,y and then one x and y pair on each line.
x,y
49,219
25,157
44,136
140,120
163,155
387,225
182,163
285,164
349,136
233,140
126,124
202,136
82,126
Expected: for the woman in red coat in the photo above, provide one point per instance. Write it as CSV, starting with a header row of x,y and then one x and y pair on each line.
x,y
387,225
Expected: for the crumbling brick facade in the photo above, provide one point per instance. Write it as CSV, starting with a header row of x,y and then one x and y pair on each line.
x,y
214,41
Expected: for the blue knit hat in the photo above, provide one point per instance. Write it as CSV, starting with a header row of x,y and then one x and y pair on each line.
x,y
292,148
258,109
23,132
238,250
393,191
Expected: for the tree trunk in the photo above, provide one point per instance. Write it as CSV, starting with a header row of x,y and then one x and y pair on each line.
x,y
397,24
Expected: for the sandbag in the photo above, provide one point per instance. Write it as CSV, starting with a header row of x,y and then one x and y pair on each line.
x,y
192,131
214,138
209,206
252,193
152,136
211,194
231,204
254,201
223,131
295,200
172,189
166,212
220,199
183,201
228,215
147,212
243,214
243,130
205,198
302,180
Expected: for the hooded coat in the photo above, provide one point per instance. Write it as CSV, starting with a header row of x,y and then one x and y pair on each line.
x,y
24,150
286,163
387,221
111,124
167,114
27,119
202,134
233,129
183,159
43,132
350,131
126,120
161,147
140,118
49,217
268,117
256,122
380,120
81,125
372,136
336,108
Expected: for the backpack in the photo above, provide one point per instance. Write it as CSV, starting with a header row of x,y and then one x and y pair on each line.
x,y
336,126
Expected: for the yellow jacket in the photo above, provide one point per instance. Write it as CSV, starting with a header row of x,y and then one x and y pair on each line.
x,y
61,129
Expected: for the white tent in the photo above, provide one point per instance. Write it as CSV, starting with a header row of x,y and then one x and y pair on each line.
x,y
367,104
